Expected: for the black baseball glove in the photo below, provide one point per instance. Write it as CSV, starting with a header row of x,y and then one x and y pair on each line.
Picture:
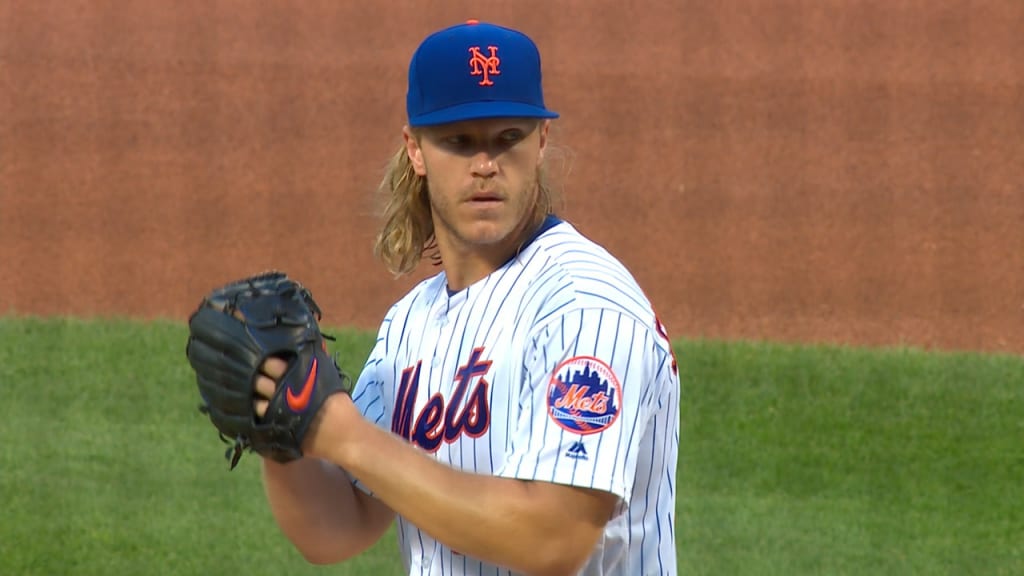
x,y
235,329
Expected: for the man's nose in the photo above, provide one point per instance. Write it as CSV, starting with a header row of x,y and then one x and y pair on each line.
x,y
484,164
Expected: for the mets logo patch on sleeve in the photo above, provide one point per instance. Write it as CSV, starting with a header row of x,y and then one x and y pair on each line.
x,y
584,395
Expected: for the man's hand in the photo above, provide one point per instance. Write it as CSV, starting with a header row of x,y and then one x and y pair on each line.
x,y
262,365
266,384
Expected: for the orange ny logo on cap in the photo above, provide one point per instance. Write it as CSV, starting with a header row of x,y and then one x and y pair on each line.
x,y
485,66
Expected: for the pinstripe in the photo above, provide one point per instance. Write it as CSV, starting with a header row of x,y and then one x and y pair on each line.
x,y
657,502
647,497
464,306
618,445
554,466
547,421
575,351
487,336
405,322
371,407
557,310
629,444
610,300
576,462
422,548
358,394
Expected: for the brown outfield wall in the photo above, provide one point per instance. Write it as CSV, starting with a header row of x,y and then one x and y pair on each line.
x,y
818,170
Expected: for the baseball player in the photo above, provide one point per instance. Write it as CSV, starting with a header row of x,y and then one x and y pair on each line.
x,y
519,411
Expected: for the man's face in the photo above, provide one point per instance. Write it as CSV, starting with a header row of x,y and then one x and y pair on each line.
x,y
482,177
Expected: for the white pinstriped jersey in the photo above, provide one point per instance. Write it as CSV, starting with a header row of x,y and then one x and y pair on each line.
x,y
552,368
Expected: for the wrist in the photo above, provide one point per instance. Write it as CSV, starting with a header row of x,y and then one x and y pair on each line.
x,y
331,432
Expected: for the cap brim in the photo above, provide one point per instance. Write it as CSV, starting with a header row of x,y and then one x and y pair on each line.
x,y
480,111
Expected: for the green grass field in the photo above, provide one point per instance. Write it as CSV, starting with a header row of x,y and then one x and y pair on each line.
x,y
794,460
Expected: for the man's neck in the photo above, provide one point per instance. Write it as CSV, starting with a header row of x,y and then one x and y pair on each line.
x,y
471,266
465,265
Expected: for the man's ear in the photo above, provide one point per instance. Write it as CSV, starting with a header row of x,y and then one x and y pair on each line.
x,y
413,150
543,129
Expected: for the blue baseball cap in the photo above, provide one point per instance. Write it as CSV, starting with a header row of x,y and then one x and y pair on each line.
x,y
472,71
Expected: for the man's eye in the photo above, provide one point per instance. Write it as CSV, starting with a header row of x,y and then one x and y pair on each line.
x,y
456,141
509,136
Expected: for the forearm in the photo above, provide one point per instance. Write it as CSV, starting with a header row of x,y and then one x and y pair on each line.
x,y
474,514
319,510
499,520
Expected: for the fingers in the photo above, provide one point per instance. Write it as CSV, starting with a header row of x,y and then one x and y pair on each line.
x,y
274,367
266,384
265,388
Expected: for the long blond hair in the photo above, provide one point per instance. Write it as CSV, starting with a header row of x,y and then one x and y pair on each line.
x,y
407,233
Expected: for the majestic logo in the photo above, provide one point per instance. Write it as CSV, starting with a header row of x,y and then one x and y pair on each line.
x,y
465,413
299,402
584,395
485,66
577,451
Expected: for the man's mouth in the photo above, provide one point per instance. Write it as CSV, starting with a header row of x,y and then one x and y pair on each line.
x,y
485,197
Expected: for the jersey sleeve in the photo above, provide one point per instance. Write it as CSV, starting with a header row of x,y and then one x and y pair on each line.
x,y
368,393
586,398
